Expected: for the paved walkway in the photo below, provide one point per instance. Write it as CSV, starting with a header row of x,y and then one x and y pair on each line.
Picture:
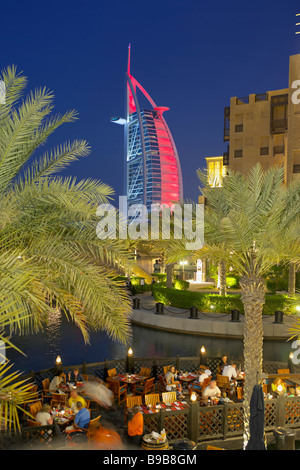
x,y
207,324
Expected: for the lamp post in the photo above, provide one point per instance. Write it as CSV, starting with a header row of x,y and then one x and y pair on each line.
x,y
202,352
194,418
129,361
58,364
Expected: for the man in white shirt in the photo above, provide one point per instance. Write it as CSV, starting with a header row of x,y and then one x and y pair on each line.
x,y
204,375
230,371
212,390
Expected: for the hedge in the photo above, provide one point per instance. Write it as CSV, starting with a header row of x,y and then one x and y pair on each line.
x,y
207,302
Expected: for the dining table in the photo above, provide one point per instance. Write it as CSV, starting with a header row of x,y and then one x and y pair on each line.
x,y
68,387
186,378
175,406
129,379
63,417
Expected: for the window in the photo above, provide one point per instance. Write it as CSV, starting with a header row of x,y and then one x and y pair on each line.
x,y
264,145
279,115
239,123
278,144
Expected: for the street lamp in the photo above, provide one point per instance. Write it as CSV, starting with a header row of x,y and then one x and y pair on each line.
x,y
202,351
129,361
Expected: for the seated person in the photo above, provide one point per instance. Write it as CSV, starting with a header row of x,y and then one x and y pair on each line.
x,y
222,363
278,387
74,399
82,418
59,377
229,371
43,416
135,427
211,391
75,376
203,374
172,383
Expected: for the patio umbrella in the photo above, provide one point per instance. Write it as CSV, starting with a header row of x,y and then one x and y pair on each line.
x,y
257,420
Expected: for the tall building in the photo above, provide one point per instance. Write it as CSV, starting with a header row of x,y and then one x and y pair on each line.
x,y
262,128
152,166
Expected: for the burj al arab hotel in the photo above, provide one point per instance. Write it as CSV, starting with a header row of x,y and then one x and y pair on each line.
x,y
152,166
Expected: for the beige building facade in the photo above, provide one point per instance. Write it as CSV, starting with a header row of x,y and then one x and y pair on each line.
x,y
262,128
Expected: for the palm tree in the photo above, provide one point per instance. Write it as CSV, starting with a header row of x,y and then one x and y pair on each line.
x,y
49,251
253,221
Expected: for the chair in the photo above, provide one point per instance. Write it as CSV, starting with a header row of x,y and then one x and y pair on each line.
x,y
46,392
283,371
145,387
32,422
223,383
152,399
59,399
166,368
131,401
34,390
145,371
214,448
168,397
162,383
112,372
119,391
93,426
85,377
198,388
240,393
35,407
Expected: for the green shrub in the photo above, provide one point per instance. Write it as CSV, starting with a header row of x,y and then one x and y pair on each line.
x,y
207,302
232,281
181,285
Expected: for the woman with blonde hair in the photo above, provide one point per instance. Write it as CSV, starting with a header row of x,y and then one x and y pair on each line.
x,y
43,416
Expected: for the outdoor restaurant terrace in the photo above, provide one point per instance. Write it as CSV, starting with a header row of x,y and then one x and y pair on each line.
x,y
189,422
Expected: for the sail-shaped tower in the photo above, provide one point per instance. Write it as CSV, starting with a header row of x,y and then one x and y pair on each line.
x,y
152,166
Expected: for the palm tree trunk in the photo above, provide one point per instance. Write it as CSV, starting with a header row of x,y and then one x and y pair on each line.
x,y
170,274
253,298
292,280
222,278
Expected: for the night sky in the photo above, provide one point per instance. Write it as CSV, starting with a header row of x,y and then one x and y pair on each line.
x,y
190,55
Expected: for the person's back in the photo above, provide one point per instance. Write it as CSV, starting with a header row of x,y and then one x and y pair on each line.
x,y
83,417
43,416
136,425
229,371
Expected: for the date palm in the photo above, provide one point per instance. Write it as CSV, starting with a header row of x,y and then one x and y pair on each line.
x,y
49,251
252,221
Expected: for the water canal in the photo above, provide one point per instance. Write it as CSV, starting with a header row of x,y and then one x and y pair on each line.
x,y
61,337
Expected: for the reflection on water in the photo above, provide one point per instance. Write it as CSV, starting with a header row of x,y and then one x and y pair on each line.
x,y
61,337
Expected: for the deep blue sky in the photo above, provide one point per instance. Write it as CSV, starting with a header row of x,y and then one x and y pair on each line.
x,y
190,55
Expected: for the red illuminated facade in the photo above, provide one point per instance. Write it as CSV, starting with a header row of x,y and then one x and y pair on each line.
x,y
153,172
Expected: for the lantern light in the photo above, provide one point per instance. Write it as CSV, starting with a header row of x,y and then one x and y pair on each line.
x,y
58,360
